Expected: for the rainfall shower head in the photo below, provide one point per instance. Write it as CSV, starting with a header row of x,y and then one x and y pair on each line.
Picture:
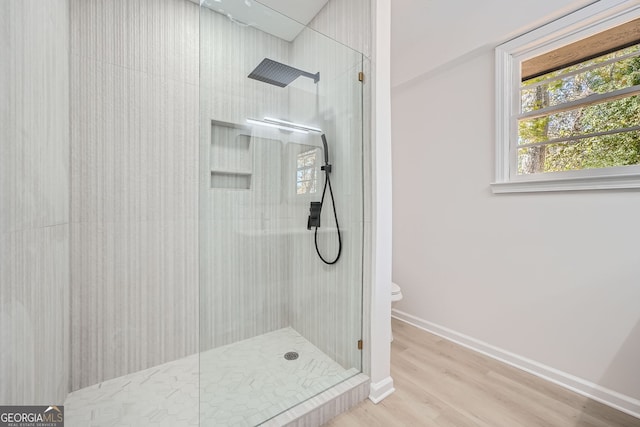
x,y
278,74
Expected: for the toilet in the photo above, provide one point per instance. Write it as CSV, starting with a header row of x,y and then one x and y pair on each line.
x,y
396,295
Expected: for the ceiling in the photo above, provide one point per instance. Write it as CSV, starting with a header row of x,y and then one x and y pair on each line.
x,y
428,34
281,18
302,11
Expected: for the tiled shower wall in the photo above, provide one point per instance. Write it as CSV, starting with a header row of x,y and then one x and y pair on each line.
x,y
244,261
34,202
326,302
348,22
134,212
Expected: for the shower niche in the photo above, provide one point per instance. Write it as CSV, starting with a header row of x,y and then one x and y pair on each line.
x,y
285,165
231,159
243,159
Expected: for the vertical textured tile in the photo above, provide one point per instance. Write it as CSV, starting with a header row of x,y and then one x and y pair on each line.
x,y
134,163
326,301
34,189
7,125
34,312
244,261
348,22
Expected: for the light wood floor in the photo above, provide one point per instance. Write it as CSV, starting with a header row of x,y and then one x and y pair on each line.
x,y
439,383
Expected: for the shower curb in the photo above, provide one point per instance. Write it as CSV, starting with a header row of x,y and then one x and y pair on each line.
x,y
325,406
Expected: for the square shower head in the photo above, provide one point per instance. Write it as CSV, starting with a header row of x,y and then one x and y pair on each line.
x,y
278,74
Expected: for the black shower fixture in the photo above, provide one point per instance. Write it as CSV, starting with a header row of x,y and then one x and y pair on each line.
x,y
315,210
279,74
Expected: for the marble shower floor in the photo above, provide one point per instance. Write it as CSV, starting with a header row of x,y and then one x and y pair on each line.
x,y
241,384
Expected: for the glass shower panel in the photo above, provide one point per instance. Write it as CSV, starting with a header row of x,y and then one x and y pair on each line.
x,y
277,324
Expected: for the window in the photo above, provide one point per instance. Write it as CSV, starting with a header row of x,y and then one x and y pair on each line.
x,y
568,103
307,172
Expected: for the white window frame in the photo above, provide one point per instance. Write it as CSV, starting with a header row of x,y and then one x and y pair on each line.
x,y
581,24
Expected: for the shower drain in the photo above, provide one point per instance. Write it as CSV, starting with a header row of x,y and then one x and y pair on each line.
x,y
291,355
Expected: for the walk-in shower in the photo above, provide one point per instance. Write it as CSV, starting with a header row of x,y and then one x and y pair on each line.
x,y
281,129
167,167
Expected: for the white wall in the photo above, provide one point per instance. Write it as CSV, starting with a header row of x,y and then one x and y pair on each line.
x,y
426,35
34,202
549,282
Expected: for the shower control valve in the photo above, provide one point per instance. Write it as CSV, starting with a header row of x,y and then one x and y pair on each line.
x,y
314,215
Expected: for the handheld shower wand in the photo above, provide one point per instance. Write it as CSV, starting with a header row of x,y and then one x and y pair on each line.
x,y
315,210
326,150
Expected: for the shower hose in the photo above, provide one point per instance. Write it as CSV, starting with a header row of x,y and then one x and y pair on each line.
x,y
327,183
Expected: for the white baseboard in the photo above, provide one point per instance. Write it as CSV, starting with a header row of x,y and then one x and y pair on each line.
x,y
381,389
586,388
